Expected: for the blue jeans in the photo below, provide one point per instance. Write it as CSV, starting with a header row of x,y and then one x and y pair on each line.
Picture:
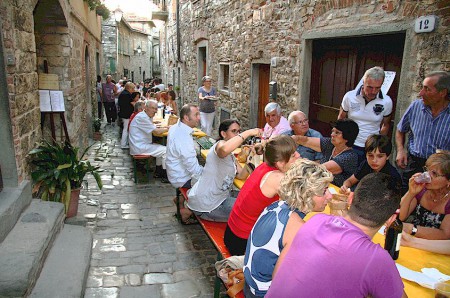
x,y
221,213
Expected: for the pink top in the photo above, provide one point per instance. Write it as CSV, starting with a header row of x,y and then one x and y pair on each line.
x,y
270,132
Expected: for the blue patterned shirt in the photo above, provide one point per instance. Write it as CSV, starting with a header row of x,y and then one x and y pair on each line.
x,y
306,152
426,134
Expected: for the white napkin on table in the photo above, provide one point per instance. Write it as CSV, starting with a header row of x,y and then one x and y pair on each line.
x,y
428,278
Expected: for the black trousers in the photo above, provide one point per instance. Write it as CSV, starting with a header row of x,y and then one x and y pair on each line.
x,y
415,165
100,110
235,244
111,111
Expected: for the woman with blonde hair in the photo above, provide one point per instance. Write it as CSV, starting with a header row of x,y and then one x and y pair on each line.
x,y
303,189
426,205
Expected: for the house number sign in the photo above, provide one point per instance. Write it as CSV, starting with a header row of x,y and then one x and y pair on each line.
x,y
425,24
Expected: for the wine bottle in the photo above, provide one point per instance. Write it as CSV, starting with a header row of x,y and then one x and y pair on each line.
x,y
393,237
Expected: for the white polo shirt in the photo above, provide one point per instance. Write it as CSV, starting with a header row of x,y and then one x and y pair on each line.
x,y
368,116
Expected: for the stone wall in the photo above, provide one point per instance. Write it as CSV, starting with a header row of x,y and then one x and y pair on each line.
x,y
245,32
126,55
60,38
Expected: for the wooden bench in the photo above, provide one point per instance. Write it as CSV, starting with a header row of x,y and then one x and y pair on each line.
x,y
215,232
147,168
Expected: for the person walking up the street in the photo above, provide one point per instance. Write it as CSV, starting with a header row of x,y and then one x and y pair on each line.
x,y
108,92
99,98
125,110
206,95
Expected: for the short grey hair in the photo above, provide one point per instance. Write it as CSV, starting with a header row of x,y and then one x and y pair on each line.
x,y
293,114
375,73
148,102
206,78
138,105
271,106
443,80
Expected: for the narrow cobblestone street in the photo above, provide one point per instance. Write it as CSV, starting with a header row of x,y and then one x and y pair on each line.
x,y
139,248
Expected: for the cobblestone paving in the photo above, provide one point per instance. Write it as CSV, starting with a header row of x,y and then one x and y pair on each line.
x,y
139,248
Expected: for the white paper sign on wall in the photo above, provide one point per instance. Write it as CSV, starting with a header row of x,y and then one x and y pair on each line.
x,y
425,24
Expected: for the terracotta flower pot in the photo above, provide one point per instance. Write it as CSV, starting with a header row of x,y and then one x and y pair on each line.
x,y
97,136
73,205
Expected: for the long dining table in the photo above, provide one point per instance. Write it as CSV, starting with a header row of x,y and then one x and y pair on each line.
x,y
411,258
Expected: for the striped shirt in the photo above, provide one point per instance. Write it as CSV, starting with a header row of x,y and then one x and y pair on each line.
x,y
426,133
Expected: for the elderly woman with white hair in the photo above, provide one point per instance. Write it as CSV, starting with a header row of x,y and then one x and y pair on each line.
x,y
276,123
303,189
207,96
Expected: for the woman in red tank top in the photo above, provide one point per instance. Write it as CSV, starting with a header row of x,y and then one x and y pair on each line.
x,y
259,191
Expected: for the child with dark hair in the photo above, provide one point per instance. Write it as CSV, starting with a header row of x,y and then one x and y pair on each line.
x,y
378,148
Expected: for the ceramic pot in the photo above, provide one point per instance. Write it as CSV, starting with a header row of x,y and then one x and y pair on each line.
x,y
73,204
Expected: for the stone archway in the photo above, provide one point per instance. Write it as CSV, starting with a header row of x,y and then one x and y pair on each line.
x,y
53,44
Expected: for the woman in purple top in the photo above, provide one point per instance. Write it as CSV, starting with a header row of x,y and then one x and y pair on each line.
x,y
207,95
427,205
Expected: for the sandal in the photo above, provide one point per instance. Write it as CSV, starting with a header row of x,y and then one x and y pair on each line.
x,y
190,221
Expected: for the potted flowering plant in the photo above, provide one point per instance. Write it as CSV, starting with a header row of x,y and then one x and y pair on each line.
x,y
58,173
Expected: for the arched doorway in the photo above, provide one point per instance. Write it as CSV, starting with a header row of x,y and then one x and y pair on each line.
x,y
53,48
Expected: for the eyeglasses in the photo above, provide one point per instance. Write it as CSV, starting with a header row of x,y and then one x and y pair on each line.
x,y
432,173
235,130
302,122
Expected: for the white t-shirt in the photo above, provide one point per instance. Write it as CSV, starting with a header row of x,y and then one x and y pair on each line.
x,y
368,116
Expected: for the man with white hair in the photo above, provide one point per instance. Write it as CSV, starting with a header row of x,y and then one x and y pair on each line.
x,y
140,137
369,108
276,123
300,127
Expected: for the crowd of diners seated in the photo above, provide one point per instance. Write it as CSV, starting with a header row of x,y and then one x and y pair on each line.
x,y
265,217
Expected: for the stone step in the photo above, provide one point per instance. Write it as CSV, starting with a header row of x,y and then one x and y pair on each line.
x,y
65,271
13,200
24,250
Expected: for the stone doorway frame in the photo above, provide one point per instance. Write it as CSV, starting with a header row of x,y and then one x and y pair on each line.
x,y
202,50
305,57
254,90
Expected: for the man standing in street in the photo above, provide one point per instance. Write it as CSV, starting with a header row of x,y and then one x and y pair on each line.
x,y
276,123
369,108
427,123
182,164
141,141
108,92
125,111
338,251
300,127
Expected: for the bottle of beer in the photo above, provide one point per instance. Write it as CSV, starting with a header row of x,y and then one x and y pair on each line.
x,y
393,236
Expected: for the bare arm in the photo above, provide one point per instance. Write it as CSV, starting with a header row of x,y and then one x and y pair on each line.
x,y
402,158
385,125
333,167
436,246
443,233
224,148
310,142
342,114
348,183
409,202
160,131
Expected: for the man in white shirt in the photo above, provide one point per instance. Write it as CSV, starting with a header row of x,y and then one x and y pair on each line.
x,y
369,108
141,141
181,161
276,123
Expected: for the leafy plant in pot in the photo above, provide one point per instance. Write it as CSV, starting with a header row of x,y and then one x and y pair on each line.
x,y
96,124
58,171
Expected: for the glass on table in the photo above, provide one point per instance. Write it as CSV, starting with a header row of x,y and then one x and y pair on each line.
x,y
442,290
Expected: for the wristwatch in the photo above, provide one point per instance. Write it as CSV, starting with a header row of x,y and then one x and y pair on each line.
x,y
414,230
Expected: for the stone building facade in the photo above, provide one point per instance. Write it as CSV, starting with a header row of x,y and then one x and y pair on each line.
x,y
300,45
58,37
127,48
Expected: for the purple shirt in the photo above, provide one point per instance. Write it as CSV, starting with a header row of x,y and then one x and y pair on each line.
x,y
330,257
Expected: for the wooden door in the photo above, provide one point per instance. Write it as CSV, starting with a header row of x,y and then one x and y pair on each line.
x,y
339,64
263,92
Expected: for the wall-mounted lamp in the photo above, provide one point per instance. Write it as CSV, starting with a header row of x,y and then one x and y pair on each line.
x,y
139,50
118,14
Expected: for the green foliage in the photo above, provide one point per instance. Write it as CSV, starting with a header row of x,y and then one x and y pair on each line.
x,y
99,7
97,124
57,169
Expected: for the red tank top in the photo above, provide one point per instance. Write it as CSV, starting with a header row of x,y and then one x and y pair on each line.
x,y
250,203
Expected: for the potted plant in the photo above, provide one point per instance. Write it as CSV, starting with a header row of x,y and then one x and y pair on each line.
x,y
97,124
58,173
